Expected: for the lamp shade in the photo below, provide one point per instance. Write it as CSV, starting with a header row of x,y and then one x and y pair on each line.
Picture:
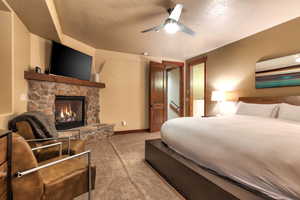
x,y
218,96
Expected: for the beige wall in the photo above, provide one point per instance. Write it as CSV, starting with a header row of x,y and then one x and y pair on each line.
x,y
20,63
232,68
40,52
125,97
126,94
6,62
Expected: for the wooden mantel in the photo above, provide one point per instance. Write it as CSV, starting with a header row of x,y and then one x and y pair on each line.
x,y
31,75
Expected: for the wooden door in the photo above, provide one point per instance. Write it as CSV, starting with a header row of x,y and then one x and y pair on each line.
x,y
157,96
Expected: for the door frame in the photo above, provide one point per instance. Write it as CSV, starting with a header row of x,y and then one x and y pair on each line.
x,y
169,65
189,85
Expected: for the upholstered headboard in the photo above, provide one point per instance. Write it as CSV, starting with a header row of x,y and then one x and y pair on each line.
x,y
294,100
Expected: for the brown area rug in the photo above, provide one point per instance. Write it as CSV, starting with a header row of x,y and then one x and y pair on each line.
x,y
122,173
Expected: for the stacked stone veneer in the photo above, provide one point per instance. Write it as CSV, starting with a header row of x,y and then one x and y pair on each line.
x,y
41,97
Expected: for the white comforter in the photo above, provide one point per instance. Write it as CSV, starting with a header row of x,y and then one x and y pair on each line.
x,y
262,153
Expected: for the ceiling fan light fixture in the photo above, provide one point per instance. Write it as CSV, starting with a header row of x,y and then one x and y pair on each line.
x,y
171,28
172,24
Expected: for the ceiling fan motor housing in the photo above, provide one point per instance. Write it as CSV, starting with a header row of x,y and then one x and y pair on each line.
x,y
169,10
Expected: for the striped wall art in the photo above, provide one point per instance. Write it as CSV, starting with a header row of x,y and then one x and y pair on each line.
x,y
278,72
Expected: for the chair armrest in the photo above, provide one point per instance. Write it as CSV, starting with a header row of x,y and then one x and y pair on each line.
x,y
50,145
49,139
29,171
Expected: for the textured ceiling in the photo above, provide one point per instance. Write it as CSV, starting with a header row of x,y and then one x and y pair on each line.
x,y
3,6
35,15
116,25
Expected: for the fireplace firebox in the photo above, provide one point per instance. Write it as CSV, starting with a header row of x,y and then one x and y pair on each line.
x,y
69,112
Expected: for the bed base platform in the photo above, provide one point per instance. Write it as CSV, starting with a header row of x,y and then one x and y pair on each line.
x,y
179,173
185,180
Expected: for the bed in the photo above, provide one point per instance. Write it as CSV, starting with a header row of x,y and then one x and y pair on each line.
x,y
231,157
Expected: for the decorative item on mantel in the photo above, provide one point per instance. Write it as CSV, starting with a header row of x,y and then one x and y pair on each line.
x,y
37,69
98,71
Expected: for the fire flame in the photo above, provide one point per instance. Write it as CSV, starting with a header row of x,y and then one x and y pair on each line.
x,y
66,113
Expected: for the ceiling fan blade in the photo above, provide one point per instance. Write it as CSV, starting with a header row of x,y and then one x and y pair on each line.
x,y
176,12
156,28
186,29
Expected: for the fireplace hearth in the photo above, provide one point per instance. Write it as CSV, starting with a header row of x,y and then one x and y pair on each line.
x,y
69,112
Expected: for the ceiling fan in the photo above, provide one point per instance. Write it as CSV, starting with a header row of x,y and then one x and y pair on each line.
x,y
172,24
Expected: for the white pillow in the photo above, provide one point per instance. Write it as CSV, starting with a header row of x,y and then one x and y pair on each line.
x,y
262,110
289,112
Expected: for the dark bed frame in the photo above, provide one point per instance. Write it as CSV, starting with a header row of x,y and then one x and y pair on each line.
x,y
181,174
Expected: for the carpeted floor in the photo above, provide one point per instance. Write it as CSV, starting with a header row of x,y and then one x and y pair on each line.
x,y
122,173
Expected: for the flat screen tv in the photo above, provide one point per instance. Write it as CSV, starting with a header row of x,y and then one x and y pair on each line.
x,y
66,61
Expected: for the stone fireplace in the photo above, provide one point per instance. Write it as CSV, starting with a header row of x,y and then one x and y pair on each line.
x,y
69,112
66,104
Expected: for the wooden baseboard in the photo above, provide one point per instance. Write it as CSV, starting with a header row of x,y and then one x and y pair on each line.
x,y
131,131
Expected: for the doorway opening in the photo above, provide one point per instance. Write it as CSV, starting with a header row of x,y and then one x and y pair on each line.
x,y
173,93
196,84
174,89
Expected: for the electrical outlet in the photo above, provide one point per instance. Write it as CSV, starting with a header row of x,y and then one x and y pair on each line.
x,y
124,123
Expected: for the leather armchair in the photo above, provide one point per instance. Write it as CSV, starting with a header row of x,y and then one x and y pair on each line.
x,y
60,178
5,165
70,146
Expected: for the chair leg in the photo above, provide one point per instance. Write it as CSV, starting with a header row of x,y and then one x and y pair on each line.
x,y
69,145
90,177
